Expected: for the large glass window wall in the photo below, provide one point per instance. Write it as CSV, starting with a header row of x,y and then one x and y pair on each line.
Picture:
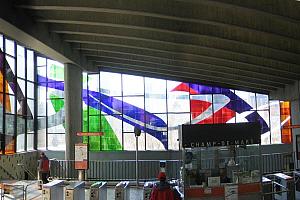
x,y
115,103
32,107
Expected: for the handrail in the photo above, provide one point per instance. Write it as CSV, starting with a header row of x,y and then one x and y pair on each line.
x,y
27,170
25,189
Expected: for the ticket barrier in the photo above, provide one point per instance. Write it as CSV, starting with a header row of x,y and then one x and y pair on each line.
x,y
147,189
267,188
53,190
297,184
75,191
98,191
122,191
284,183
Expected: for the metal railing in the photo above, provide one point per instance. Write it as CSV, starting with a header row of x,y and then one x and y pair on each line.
x,y
12,191
148,169
116,170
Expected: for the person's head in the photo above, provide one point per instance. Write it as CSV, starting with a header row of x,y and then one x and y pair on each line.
x,y
161,176
42,154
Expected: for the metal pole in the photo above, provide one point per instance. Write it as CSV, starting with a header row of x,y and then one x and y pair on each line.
x,y
136,161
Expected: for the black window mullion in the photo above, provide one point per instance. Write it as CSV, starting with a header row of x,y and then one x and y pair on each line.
x,y
16,100
26,103
46,104
3,139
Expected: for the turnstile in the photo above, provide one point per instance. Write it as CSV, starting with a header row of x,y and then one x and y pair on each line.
x,y
98,191
122,191
267,188
147,189
297,184
284,182
75,191
53,190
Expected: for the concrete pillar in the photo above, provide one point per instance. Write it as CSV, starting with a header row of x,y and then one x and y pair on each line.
x,y
292,93
73,107
295,114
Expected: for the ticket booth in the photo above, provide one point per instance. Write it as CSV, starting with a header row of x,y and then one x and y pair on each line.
x,y
75,191
53,190
122,191
221,161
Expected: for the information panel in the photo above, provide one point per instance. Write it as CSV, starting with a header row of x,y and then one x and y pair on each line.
x,y
81,156
209,135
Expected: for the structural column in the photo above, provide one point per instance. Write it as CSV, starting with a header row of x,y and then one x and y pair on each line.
x,y
292,93
73,107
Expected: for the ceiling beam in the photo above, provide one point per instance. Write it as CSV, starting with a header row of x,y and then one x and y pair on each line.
x,y
234,78
181,76
19,26
225,32
206,67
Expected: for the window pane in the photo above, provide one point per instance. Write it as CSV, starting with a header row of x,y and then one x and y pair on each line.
x,y
1,114
178,101
41,101
21,61
56,116
30,103
10,104
41,72
112,138
265,137
174,120
1,42
30,90
275,122
11,63
201,109
130,141
155,95
133,111
30,126
56,142
221,113
55,70
110,83
112,127
30,65
30,142
247,98
262,101
21,142
133,85
9,124
10,47
22,86
154,144
41,133
93,82
41,61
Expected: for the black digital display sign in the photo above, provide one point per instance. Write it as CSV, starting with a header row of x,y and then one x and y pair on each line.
x,y
209,135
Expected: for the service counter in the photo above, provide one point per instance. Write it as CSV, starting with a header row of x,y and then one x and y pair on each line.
x,y
225,191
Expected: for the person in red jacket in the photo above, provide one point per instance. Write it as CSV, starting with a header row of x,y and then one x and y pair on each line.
x,y
162,190
44,167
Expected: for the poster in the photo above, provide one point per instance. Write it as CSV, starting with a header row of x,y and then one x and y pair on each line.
x,y
81,156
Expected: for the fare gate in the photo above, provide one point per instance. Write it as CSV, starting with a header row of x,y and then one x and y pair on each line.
x,y
122,191
75,191
53,190
284,186
98,191
147,189
267,188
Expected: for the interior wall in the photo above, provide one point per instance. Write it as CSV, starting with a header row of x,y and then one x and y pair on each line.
x,y
12,166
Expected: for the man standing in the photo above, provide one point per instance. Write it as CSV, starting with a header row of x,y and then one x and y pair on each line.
x,y
162,190
44,167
